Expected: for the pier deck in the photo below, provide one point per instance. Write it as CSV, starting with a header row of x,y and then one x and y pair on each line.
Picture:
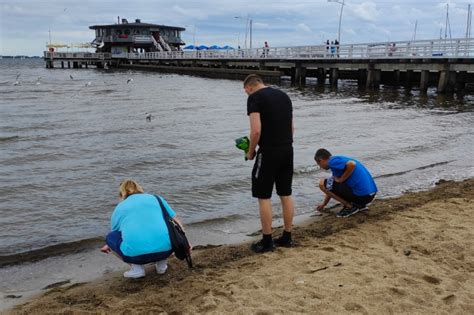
x,y
447,64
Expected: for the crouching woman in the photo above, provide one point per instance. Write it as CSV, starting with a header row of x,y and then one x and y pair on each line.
x,y
139,233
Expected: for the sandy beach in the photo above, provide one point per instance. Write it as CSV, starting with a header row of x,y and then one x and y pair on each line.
x,y
413,254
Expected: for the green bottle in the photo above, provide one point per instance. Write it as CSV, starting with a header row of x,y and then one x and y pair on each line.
x,y
243,144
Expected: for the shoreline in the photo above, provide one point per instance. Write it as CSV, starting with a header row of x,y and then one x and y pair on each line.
x,y
219,265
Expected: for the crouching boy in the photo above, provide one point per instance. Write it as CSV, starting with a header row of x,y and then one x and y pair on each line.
x,y
351,183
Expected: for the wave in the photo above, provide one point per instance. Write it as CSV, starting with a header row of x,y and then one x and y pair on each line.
x,y
414,169
9,139
68,248
49,251
229,218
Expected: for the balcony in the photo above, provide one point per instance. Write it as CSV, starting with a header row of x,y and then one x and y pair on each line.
x,y
136,39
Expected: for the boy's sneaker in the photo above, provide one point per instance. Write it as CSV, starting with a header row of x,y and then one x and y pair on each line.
x,y
281,242
347,212
261,247
161,266
137,271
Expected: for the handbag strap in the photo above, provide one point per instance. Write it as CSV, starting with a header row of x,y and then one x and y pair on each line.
x,y
166,215
168,219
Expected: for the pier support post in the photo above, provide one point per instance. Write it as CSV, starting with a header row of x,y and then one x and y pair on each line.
x,y
362,78
396,77
69,65
378,77
461,81
62,64
321,76
334,76
452,81
424,81
409,79
373,77
300,76
447,81
87,65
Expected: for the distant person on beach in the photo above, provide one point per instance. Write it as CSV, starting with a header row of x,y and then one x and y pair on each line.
x,y
148,117
351,183
271,128
139,233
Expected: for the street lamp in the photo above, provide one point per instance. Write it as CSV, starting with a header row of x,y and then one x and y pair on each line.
x,y
248,23
342,3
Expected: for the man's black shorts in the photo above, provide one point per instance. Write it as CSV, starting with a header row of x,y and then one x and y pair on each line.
x,y
346,193
272,167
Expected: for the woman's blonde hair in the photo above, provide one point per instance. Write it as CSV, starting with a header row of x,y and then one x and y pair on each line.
x,y
129,187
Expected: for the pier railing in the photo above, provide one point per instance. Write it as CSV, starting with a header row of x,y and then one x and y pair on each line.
x,y
77,55
439,48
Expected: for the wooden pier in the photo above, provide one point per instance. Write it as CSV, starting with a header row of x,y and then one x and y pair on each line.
x,y
447,65
76,60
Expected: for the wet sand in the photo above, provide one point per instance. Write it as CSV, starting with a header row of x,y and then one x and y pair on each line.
x,y
412,254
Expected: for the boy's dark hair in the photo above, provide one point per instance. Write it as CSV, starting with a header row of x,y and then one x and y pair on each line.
x,y
252,79
322,154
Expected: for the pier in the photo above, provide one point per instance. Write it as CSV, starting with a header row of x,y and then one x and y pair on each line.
x,y
447,64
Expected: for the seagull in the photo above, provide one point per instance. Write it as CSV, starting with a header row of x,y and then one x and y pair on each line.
x,y
148,117
16,80
71,77
88,83
129,80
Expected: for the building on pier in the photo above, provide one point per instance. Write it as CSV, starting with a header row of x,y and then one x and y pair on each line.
x,y
137,37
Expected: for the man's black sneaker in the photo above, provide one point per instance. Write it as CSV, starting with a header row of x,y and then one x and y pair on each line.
x,y
280,242
261,247
363,208
347,212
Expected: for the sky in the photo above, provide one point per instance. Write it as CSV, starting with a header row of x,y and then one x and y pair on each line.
x,y
25,24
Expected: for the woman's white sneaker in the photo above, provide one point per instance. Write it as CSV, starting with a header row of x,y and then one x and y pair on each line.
x,y
136,271
161,266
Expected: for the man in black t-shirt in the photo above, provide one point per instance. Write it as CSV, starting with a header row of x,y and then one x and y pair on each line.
x,y
271,128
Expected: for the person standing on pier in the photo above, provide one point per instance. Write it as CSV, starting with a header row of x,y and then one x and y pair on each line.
x,y
271,128
266,50
333,50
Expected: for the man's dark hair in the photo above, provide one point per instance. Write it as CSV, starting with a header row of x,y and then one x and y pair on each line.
x,y
322,154
253,79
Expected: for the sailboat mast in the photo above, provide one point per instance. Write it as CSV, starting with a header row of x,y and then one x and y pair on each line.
x,y
414,32
468,25
446,22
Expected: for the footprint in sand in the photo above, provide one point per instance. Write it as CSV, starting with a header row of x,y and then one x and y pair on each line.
x,y
328,249
398,291
354,307
449,299
431,279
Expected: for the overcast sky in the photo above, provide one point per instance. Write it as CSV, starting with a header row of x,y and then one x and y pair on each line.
x,y
24,24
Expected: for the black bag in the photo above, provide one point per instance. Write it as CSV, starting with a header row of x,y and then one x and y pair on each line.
x,y
179,241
